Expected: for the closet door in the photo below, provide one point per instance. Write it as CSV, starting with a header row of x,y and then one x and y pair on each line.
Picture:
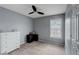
x,y
77,29
71,30
74,31
67,30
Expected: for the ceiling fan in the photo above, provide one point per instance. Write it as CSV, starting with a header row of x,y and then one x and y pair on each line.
x,y
35,10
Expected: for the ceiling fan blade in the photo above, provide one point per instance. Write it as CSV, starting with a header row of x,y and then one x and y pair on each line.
x,y
31,12
34,8
40,13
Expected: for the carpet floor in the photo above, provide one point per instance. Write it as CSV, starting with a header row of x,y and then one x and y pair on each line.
x,y
39,48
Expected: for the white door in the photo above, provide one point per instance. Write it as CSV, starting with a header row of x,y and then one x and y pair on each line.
x,y
74,31
67,31
71,31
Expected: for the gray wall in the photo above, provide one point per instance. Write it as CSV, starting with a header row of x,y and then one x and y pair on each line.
x,y
11,20
42,27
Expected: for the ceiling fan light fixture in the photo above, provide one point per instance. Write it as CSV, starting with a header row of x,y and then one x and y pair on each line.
x,y
35,10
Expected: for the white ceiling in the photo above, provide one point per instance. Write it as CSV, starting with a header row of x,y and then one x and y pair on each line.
x,y
48,9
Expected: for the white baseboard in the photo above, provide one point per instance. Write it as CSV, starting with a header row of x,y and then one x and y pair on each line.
x,y
21,43
51,42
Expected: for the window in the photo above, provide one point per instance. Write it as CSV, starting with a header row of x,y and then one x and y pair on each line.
x,y
56,28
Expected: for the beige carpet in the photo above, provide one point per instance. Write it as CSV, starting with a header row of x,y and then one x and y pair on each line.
x,y
39,48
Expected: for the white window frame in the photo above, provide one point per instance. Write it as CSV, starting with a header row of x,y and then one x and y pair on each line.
x,y
54,29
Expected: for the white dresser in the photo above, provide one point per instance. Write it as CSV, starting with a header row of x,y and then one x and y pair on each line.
x,y
9,41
